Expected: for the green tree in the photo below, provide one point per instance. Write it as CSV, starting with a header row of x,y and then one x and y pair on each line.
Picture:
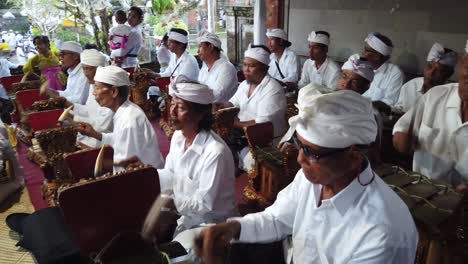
x,y
7,4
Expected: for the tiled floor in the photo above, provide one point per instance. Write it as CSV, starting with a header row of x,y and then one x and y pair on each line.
x,y
9,253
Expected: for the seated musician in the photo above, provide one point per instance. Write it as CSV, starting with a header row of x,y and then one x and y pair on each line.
x,y
439,67
336,209
260,98
217,71
284,66
100,118
77,87
435,129
199,168
133,134
388,79
8,183
181,63
319,68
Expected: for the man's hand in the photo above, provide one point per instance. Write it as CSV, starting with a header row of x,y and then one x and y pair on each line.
x,y
463,187
212,242
130,163
52,93
87,130
221,105
290,86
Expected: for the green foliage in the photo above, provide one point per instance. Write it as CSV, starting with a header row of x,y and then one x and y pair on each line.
x,y
7,4
161,28
71,34
159,6
36,32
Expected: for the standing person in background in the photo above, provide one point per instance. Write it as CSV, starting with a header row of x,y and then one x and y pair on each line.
x,y
47,63
135,38
6,106
118,35
163,54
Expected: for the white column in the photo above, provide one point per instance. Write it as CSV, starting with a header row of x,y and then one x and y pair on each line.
x,y
259,22
211,16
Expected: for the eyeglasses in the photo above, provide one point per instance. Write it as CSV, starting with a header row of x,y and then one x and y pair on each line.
x,y
314,157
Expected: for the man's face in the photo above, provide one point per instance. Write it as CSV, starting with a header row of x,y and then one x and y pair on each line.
x,y
104,95
89,72
204,50
326,170
274,44
173,45
133,19
463,78
69,58
253,69
317,51
371,55
180,113
436,74
350,80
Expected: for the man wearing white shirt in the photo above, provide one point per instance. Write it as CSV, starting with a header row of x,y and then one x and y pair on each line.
x,y
199,168
132,136
6,106
77,88
182,62
388,78
217,72
436,129
336,209
319,68
100,118
284,66
438,69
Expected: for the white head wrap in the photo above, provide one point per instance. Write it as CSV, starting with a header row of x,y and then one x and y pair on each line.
x,y
258,54
363,68
210,38
318,38
92,57
178,37
189,91
112,75
277,33
375,43
438,54
335,120
158,37
71,46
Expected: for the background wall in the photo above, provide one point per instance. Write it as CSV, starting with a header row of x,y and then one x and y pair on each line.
x,y
413,26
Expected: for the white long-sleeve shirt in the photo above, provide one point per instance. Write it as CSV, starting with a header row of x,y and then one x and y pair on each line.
x,y
132,47
288,64
164,57
326,75
360,224
77,89
386,85
266,104
186,65
221,78
100,118
410,93
442,138
202,179
133,135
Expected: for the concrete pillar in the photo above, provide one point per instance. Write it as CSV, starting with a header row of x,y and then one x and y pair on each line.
x,y
259,22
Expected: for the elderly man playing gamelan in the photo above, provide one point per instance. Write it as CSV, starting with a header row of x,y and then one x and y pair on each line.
x,y
388,79
100,118
436,130
319,68
217,72
440,66
284,66
199,169
133,135
260,99
336,209
77,83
